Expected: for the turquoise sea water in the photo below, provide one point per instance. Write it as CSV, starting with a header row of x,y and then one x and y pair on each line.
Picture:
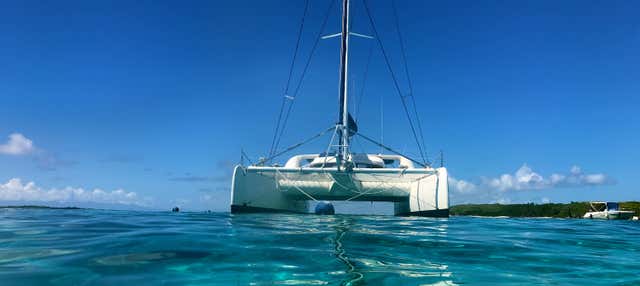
x,y
97,247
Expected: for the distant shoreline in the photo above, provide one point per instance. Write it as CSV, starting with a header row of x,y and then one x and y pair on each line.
x,y
531,210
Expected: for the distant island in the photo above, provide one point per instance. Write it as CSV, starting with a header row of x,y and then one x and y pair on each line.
x,y
570,210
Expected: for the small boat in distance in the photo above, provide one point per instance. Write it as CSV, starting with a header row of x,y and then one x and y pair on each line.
x,y
607,210
338,174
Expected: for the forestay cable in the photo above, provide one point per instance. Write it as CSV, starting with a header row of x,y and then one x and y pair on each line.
x,y
395,81
286,89
406,71
304,72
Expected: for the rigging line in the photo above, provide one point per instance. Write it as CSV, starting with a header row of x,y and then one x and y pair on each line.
x,y
304,72
326,153
406,71
296,187
402,49
364,79
391,150
359,145
293,61
395,80
243,154
299,144
275,134
371,191
295,53
381,119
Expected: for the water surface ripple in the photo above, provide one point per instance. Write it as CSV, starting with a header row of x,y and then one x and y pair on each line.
x,y
99,247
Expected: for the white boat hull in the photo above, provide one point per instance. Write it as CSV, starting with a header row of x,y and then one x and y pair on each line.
x,y
609,215
422,192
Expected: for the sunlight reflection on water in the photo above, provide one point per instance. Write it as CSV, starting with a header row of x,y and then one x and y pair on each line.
x,y
92,247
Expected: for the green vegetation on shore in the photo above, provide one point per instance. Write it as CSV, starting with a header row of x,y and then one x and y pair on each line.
x,y
570,210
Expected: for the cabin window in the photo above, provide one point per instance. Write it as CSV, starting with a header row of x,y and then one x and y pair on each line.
x,y
364,165
392,164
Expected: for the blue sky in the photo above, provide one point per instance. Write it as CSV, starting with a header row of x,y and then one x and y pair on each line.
x,y
530,101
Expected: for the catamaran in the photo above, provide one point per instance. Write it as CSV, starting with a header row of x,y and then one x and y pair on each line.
x,y
338,174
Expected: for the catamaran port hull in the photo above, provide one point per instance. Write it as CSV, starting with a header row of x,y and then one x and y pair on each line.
x,y
414,192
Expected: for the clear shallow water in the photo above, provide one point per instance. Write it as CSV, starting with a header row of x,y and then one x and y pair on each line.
x,y
96,247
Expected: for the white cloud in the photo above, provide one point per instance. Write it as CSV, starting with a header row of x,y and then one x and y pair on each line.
x,y
524,179
17,145
461,186
16,190
594,179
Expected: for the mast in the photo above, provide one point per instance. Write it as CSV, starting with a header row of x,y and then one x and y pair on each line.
x,y
343,151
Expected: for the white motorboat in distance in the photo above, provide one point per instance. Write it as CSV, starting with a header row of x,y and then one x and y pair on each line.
x,y
607,210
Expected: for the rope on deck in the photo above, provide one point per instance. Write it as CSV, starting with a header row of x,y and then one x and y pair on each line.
x,y
294,185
